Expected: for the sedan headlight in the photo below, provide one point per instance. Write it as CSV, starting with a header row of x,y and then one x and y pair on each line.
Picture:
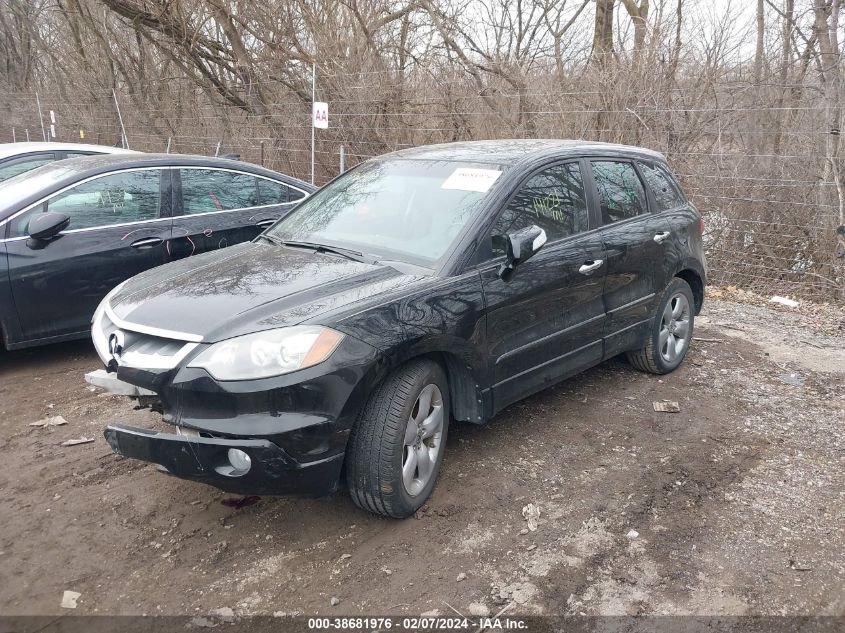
x,y
269,353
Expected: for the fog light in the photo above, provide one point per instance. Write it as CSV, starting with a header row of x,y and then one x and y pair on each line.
x,y
240,461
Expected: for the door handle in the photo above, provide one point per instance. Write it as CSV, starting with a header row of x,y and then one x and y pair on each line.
x,y
265,223
661,237
590,266
147,242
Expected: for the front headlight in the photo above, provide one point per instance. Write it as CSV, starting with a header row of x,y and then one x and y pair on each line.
x,y
269,353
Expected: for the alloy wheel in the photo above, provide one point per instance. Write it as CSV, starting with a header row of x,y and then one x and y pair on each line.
x,y
423,438
675,328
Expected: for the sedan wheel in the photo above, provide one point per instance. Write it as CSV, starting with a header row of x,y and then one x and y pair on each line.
x,y
397,443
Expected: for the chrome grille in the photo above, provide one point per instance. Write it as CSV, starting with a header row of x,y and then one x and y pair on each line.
x,y
140,349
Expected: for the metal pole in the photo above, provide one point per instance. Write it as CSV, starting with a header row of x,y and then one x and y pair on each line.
x,y
313,99
27,135
125,139
342,160
167,151
41,117
217,151
14,136
262,153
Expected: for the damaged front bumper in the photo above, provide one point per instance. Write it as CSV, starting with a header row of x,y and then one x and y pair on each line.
x,y
290,430
271,470
111,383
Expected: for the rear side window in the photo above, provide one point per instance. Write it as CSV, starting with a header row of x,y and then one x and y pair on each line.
x,y
209,190
132,196
271,192
16,166
552,199
621,194
666,193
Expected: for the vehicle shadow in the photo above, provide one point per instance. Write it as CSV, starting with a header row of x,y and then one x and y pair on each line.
x,y
48,358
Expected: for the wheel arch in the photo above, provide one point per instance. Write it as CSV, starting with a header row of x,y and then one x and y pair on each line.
x,y
696,283
461,365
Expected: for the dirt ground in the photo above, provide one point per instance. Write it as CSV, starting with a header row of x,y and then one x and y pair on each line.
x,y
734,505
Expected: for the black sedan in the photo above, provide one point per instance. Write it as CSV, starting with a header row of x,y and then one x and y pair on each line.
x,y
435,284
72,230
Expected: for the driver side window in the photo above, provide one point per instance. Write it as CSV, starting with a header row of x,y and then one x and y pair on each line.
x,y
132,196
552,199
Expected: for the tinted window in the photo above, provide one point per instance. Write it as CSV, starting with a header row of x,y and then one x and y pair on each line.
x,y
17,166
78,154
552,199
207,190
270,192
665,192
131,196
621,194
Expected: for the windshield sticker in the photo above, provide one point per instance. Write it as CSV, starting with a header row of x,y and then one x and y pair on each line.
x,y
468,179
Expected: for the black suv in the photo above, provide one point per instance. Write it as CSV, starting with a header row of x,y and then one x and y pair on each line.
x,y
433,284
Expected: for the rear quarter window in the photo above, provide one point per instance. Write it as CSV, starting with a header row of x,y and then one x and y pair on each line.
x,y
666,192
272,192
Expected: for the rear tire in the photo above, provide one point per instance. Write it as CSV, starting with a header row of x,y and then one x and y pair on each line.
x,y
397,443
671,331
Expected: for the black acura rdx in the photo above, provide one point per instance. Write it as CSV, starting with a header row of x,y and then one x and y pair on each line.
x,y
434,284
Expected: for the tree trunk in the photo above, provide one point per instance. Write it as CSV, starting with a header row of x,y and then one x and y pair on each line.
x,y
603,33
826,28
785,63
639,16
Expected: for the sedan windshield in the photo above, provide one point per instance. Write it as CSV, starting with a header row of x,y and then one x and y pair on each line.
x,y
402,210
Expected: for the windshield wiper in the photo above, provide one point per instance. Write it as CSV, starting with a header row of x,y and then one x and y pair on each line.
x,y
271,239
327,248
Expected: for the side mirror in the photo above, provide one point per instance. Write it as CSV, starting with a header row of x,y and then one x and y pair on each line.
x,y
43,226
521,246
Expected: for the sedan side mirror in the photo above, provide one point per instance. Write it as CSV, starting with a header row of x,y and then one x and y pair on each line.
x,y
46,225
521,246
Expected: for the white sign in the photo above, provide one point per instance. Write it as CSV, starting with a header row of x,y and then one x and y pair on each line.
x,y
321,115
468,179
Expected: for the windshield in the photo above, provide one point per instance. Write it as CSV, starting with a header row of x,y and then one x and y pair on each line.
x,y
402,210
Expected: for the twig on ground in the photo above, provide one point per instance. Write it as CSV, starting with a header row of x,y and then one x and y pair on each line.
x,y
454,609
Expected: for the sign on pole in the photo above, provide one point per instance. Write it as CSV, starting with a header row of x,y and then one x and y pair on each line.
x,y
321,115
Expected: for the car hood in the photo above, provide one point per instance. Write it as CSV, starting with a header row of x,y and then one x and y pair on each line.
x,y
248,288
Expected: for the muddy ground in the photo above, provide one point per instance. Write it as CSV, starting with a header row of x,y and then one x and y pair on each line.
x,y
737,501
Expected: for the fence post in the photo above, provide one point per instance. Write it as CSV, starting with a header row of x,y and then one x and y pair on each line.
x,y
262,153
125,139
41,117
14,137
167,149
27,135
342,159
313,98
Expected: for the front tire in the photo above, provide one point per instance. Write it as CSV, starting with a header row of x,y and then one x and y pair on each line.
x,y
397,444
671,331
